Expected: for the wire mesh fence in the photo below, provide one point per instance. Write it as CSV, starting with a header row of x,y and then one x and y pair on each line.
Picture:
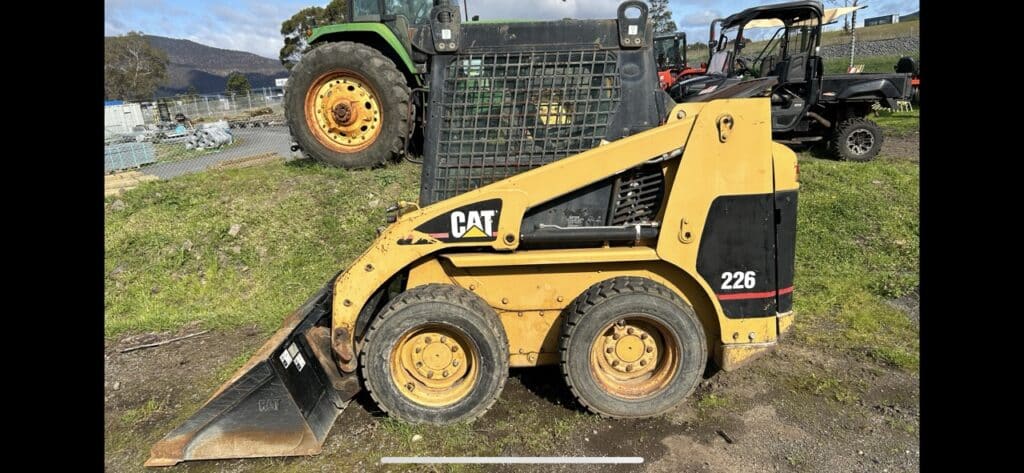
x,y
173,136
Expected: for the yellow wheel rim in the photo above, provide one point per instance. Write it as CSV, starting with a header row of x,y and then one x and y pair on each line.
x,y
343,111
434,366
634,357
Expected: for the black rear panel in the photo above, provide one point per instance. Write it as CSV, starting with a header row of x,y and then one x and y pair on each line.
x,y
737,254
748,252
517,96
785,241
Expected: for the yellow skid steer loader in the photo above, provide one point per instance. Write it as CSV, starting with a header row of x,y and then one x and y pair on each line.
x,y
452,294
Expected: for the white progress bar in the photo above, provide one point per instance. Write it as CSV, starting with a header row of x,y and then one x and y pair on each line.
x,y
512,460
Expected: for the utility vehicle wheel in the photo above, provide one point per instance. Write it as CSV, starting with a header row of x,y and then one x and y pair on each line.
x,y
856,139
437,354
631,347
347,105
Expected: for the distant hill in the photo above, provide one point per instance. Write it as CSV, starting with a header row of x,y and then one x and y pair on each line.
x,y
206,68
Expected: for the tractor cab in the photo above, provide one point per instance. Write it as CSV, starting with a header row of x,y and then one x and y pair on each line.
x,y
670,53
404,18
773,41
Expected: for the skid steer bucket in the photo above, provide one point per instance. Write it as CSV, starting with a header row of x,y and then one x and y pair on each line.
x,y
283,402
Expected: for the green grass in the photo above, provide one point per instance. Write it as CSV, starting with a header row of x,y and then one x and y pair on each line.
x,y
132,416
827,386
174,152
857,247
899,123
872,33
170,260
711,401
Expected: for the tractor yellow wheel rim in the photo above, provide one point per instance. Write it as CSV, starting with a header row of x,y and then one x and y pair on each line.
x,y
343,112
434,366
634,357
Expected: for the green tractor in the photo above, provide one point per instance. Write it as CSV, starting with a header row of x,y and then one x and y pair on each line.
x,y
349,100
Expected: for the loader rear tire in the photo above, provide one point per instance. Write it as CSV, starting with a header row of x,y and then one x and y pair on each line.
x,y
631,348
437,354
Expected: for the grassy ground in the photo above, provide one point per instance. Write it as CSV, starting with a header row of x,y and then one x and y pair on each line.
x,y
898,123
872,33
857,249
170,259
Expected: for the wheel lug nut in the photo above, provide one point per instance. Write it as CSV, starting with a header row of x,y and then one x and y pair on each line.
x,y
428,340
615,336
609,350
418,349
629,367
615,362
629,330
410,386
643,362
455,349
643,336
444,339
430,374
455,363
419,364
445,374
649,349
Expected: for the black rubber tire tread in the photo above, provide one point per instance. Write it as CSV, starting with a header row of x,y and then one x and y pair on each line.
x,y
476,313
582,311
837,144
392,91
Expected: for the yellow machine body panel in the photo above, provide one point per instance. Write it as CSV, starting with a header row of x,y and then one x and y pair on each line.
x,y
726,150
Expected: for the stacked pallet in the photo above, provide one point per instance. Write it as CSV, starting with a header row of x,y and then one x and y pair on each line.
x,y
118,157
115,184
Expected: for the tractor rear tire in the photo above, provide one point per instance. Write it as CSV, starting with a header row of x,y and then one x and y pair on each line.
x,y
437,354
856,139
631,348
348,135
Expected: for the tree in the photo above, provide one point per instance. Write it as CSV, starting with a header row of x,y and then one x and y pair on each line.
x,y
132,68
191,91
238,83
662,17
294,29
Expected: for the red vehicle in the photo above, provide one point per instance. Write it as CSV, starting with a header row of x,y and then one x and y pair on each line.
x,y
670,51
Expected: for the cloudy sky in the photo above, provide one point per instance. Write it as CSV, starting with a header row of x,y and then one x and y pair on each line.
x,y
254,26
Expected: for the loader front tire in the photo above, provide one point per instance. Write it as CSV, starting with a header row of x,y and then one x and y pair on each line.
x,y
437,354
631,348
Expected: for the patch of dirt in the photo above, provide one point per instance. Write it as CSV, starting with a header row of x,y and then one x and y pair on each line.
x,y
145,389
909,304
903,147
796,409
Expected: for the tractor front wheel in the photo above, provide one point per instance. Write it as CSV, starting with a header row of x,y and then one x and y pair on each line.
x,y
347,105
